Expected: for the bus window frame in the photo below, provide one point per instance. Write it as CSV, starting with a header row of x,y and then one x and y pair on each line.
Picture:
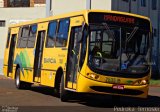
x,y
54,36
20,36
32,36
57,33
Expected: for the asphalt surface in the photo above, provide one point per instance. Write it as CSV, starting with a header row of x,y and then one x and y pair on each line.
x,y
43,99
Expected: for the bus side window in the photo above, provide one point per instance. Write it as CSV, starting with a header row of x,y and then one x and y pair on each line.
x,y
23,37
8,38
62,35
50,42
32,36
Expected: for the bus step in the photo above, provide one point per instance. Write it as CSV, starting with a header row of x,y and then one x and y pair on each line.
x,y
37,79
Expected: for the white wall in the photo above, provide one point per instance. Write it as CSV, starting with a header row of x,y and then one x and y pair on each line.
x,y
17,14
64,6
101,4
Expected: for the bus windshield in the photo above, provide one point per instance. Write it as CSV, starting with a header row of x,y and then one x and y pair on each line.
x,y
118,48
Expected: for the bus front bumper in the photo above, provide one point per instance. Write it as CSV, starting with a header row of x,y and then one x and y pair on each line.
x,y
86,85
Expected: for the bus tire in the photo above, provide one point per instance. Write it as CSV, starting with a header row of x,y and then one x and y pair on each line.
x,y
19,84
27,85
64,94
58,82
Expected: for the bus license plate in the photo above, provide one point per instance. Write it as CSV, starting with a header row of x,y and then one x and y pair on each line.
x,y
120,87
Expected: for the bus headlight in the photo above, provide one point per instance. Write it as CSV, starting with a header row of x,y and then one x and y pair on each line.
x,y
143,82
140,82
93,76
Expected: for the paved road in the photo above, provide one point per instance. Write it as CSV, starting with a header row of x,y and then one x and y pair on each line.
x,y
43,98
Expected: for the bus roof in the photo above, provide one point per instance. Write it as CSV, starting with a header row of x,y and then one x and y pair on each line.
x,y
83,12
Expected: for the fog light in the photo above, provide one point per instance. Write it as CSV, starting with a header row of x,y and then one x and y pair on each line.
x,y
140,82
93,76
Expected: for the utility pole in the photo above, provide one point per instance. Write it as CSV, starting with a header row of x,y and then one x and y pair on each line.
x,y
130,6
88,4
158,36
48,8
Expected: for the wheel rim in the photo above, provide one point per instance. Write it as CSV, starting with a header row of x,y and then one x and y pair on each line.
x,y
17,80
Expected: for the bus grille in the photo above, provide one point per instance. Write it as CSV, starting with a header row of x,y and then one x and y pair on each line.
x,y
116,91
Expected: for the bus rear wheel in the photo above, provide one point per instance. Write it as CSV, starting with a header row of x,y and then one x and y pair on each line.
x,y
64,94
20,84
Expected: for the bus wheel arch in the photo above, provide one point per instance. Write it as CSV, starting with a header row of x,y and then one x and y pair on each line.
x,y
18,83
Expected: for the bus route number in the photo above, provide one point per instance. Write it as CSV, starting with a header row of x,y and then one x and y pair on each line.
x,y
113,80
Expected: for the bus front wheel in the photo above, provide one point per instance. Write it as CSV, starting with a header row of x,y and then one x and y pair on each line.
x,y
64,94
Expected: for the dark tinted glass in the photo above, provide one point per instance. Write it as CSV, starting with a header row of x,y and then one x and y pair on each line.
x,y
51,34
63,33
32,36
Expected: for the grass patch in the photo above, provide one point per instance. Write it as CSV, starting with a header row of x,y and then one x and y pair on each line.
x,y
155,82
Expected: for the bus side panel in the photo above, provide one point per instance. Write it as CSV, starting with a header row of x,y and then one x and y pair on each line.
x,y
5,63
48,77
27,76
53,58
25,59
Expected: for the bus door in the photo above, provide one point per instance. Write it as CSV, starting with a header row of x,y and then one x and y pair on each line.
x,y
11,53
73,58
38,54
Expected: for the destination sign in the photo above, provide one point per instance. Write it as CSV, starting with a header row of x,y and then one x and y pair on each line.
x,y
121,20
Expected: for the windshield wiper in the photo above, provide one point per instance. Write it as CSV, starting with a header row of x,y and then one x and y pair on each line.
x,y
111,34
132,34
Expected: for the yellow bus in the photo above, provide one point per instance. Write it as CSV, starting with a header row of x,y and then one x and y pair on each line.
x,y
90,51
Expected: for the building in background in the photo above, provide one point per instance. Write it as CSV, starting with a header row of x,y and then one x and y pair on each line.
x,y
23,3
150,8
15,11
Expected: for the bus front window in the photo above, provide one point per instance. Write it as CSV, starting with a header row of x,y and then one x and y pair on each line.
x,y
118,49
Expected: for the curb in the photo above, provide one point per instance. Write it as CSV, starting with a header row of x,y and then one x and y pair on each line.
x,y
154,85
4,78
